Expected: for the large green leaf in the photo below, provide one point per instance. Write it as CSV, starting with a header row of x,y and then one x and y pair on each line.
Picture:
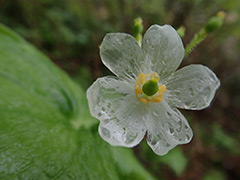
x,y
46,131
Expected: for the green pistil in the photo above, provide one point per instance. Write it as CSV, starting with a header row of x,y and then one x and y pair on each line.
x,y
150,87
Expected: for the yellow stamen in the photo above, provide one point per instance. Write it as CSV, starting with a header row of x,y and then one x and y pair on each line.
x,y
161,90
154,77
141,80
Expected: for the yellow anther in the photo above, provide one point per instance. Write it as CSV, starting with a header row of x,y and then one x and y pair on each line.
x,y
139,83
141,80
144,100
158,98
161,89
154,77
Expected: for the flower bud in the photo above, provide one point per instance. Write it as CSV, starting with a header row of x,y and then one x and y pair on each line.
x,y
181,31
138,26
215,22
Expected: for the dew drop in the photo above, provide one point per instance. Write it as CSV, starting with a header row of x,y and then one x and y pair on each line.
x,y
168,114
171,130
191,91
155,113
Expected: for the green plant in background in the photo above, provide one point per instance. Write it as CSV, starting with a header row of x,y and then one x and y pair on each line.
x,y
47,117
212,25
214,175
70,32
46,131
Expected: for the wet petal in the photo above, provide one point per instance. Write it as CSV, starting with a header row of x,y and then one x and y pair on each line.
x,y
163,49
192,87
121,115
121,54
166,128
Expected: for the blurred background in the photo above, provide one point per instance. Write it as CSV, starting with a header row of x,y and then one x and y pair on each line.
x,y
70,31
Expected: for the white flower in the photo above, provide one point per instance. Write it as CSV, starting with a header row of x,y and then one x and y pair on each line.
x,y
127,110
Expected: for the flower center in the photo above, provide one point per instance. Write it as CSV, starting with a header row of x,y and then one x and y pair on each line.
x,y
147,89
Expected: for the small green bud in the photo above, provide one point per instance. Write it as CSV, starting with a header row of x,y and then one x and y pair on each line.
x,y
215,22
150,87
181,31
138,26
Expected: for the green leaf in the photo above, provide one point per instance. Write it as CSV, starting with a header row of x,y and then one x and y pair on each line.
x,y
224,141
214,175
176,160
129,168
46,131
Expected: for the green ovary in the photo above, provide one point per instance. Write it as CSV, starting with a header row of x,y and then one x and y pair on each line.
x,y
150,87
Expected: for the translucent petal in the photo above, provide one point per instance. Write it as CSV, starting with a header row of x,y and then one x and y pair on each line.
x,y
192,87
121,54
163,49
121,115
166,127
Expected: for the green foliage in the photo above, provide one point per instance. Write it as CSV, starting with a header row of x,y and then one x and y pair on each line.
x,y
83,77
212,25
129,167
214,175
70,31
46,131
224,141
176,160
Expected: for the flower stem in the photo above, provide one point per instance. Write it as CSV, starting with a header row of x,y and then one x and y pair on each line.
x,y
212,25
197,39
